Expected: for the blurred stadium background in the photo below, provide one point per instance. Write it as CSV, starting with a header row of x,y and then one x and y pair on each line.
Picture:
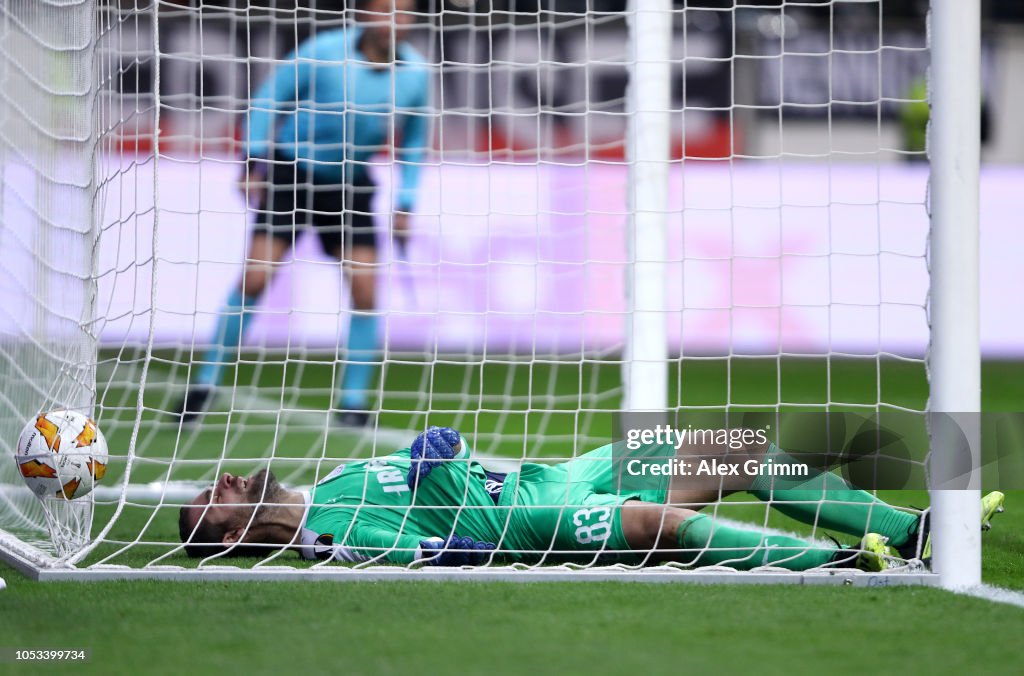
x,y
530,140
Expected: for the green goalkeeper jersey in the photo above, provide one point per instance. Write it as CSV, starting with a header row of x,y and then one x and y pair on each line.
x,y
365,510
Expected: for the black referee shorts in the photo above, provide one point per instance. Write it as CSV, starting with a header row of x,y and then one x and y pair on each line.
x,y
339,212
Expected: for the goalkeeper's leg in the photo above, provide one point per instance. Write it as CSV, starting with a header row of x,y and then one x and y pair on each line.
x,y
265,249
356,248
921,546
827,500
361,353
697,539
823,499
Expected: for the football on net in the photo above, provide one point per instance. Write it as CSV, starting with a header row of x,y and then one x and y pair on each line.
x,y
61,454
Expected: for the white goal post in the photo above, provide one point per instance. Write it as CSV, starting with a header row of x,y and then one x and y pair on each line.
x,y
955,355
642,206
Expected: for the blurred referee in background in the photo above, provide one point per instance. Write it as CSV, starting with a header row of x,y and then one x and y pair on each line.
x,y
340,98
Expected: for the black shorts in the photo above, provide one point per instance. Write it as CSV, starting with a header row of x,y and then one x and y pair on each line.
x,y
339,212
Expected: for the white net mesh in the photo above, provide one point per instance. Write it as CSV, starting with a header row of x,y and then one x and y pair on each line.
x,y
48,279
795,274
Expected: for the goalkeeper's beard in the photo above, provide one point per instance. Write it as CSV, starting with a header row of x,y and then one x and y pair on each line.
x,y
271,522
264,490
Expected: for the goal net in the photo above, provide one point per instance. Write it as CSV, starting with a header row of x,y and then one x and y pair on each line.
x,y
691,208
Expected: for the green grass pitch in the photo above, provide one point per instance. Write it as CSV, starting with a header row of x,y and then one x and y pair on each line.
x,y
512,410
507,628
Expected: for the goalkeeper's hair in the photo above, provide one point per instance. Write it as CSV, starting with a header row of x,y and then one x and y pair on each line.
x,y
204,540
359,5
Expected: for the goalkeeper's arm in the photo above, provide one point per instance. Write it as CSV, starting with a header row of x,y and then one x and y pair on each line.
x,y
431,448
288,84
412,148
372,542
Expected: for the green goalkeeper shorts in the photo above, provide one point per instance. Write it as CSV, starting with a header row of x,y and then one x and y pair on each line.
x,y
569,512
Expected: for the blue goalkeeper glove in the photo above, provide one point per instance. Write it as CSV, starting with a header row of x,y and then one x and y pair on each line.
x,y
455,551
429,449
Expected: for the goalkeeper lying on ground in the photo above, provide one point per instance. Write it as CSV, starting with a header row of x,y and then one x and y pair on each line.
x,y
431,504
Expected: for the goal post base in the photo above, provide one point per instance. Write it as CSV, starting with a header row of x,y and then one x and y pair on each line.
x,y
659,575
27,559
